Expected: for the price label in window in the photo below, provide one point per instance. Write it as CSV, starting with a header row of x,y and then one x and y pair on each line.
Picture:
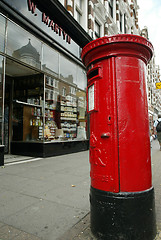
x,y
91,98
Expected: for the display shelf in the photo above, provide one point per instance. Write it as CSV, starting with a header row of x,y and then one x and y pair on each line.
x,y
69,119
69,130
68,109
28,104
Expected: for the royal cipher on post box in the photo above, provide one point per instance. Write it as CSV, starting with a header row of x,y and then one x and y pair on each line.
x,y
121,195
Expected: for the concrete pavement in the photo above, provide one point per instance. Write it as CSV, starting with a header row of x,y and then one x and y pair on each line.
x,y
43,198
48,198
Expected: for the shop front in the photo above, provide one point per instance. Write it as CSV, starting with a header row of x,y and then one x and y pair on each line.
x,y
42,87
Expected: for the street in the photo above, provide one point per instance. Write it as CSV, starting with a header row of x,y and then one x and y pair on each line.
x,y
49,198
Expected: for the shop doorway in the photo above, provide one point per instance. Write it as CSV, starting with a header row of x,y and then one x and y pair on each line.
x,y
15,77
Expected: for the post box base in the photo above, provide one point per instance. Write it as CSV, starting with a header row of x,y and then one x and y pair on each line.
x,y
123,216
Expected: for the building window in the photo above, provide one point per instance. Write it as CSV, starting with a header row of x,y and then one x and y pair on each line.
x,y
55,83
65,3
63,91
97,29
111,8
51,81
79,3
120,22
72,90
78,16
78,11
124,23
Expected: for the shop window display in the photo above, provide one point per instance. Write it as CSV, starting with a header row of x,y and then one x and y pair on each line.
x,y
61,117
44,91
65,112
24,91
28,108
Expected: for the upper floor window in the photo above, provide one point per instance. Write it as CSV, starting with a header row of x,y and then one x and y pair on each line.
x,y
63,91
78,12
124,23
111,8
120,22
79,3
78,16
65,3
97,29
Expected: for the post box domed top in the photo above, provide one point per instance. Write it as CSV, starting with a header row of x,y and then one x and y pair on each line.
x,y
121,44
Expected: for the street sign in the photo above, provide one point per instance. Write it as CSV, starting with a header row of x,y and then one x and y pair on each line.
x,y
158,85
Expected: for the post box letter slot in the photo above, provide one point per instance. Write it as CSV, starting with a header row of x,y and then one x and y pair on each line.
x,y
93,73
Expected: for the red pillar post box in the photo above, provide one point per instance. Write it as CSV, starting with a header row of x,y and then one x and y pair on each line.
x,y
121,195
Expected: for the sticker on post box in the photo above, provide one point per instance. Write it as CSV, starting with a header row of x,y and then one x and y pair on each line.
x,y
91,98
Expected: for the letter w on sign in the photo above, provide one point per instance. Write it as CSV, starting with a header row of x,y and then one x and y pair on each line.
x,y
31,6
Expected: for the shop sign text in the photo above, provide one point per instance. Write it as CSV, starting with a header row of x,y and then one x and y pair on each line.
x,y
49,23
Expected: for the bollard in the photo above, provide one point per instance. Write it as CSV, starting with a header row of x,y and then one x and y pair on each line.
x,y
121,195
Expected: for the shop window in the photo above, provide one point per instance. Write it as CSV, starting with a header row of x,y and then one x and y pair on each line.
x,y
23,103
81,81
2,33
1,99
50,61
67,70
26,48
82,117
65,113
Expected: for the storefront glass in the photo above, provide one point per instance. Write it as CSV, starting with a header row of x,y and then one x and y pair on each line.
x,y
26,48
2,33
68,70
36,17
45,97
1,98
81,78
24,92
65,111
50,60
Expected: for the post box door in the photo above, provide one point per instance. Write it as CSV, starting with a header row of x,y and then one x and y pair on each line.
x,y
102,107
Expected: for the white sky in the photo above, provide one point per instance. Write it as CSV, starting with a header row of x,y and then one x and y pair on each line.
x,y
150,16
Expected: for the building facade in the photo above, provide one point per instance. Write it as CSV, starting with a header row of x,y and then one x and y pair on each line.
x,y
42,78
153,94
105,17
